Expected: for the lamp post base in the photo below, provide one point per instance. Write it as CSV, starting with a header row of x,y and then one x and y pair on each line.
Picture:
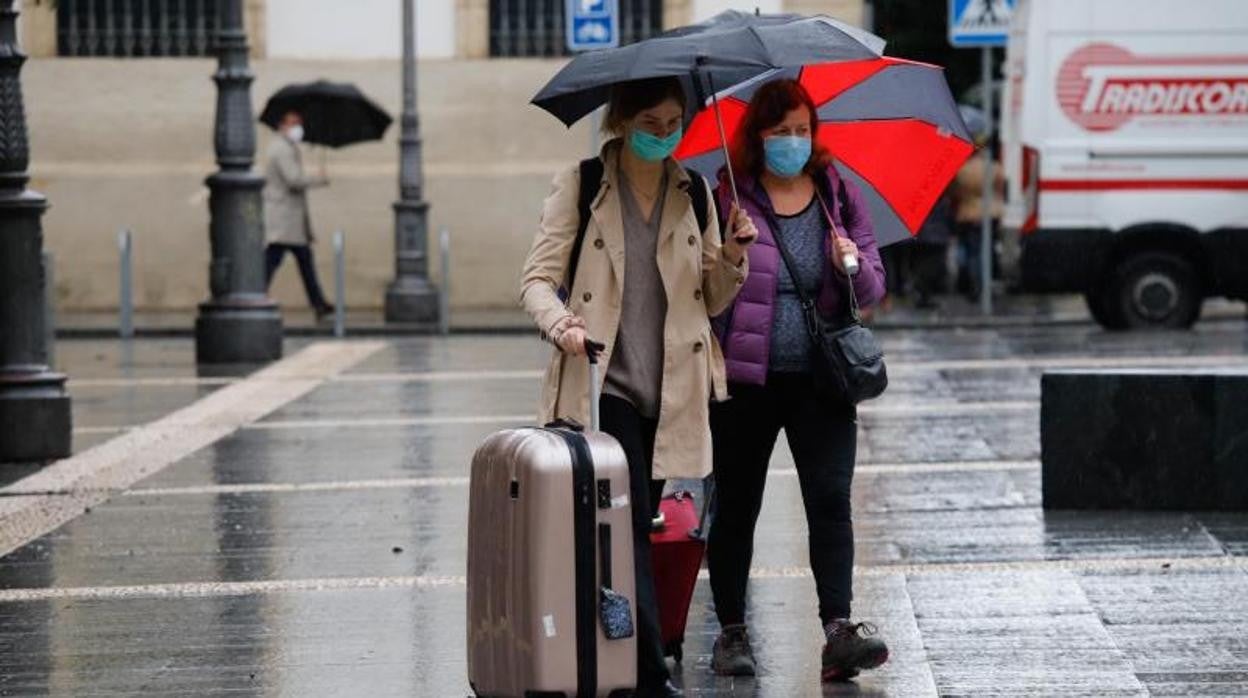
x,y
232,333
35,418
412,300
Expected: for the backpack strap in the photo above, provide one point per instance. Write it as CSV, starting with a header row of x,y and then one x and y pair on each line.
x,y
701,206
591,182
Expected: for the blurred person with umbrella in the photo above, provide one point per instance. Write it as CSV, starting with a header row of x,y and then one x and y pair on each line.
x,y
832,161
321,113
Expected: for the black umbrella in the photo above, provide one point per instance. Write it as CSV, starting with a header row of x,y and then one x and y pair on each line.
x,y
722,51
727,49
334,113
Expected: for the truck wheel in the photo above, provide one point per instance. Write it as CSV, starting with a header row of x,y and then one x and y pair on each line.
x,y
1157,290
1104,309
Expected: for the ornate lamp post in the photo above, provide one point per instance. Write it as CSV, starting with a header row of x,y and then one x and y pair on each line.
x,y
410,297
240,323
34,407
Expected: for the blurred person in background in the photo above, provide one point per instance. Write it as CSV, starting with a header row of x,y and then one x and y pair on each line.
x,y
287,224
968,195
928,252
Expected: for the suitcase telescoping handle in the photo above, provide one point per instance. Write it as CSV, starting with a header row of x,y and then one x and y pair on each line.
x,y
592,351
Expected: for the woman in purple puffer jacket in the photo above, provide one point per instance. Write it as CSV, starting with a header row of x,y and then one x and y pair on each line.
x,y
781,180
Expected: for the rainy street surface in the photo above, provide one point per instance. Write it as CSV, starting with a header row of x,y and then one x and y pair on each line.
x,y
299,530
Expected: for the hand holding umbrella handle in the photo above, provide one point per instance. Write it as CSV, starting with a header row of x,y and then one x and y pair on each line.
x,y
851,264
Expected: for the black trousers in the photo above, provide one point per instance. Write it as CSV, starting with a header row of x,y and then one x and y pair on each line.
x,y
636,434
823,437
307,270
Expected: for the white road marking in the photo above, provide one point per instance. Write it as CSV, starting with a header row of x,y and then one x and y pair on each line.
x,y
437,376
1057,362
102,430
501,419
426,582
147,382
279,487
436,482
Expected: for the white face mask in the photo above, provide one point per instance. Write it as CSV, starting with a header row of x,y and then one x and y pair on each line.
x,y
295,133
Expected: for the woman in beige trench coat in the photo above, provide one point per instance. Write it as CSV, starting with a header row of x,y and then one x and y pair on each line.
x,y
647,281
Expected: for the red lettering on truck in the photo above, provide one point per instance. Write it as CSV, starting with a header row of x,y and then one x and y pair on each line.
x,y
1102,86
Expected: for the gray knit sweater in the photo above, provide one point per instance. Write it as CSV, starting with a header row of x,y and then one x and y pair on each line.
x,y
802,235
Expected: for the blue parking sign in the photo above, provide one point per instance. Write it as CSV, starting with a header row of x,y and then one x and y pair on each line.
x,y
592,24
979,22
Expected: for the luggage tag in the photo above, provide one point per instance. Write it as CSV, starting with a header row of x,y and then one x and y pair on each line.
x,y
616,614
615,611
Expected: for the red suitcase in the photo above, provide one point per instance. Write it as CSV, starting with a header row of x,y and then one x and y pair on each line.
x,y
676,550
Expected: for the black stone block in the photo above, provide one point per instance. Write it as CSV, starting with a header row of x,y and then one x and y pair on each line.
x,y
1145,439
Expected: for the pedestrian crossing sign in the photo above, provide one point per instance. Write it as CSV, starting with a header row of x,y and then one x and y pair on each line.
x,y
592,24
979,22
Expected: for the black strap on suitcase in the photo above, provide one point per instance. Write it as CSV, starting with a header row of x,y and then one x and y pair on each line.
x,y
584,538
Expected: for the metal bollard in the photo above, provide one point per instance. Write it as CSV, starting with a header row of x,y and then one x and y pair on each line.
x,y
444,298
49,305
340,285
125,245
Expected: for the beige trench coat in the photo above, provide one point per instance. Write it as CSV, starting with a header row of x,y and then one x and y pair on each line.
x,y
699,282
286,219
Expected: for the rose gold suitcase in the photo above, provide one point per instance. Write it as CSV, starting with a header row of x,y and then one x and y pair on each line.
x,y
550,564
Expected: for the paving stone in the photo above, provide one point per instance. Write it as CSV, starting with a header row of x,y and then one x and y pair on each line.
x,y
1016,634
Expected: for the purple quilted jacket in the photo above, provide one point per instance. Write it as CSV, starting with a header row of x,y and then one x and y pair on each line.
x,y
745,328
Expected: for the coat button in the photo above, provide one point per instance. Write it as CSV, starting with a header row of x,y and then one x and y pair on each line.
x,y
587,297
697,295
697,347
598,244
693,240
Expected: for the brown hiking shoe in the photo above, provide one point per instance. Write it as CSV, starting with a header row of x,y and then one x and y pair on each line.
x,y
851,649
733,655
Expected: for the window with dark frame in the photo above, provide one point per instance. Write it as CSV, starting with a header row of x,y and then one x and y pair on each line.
x,y
535,28
135,28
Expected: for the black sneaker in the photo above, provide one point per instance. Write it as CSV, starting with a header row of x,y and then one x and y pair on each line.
x,y
732,655
850,649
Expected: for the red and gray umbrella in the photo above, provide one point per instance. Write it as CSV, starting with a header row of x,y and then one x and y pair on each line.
x,y
892,126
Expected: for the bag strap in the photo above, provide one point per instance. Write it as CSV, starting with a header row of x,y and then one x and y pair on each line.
x,y
591,182
813,321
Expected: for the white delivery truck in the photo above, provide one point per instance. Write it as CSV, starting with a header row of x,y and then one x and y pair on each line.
x,y
1125,146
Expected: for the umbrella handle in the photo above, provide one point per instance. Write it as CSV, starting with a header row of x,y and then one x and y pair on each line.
x,y
723,141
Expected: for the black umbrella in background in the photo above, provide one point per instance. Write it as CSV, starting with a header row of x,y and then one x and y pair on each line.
x,y
334,113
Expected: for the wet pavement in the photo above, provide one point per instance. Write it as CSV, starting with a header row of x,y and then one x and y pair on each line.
x,y
318,549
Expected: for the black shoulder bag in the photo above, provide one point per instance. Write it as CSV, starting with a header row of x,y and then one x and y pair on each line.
x,y
848,361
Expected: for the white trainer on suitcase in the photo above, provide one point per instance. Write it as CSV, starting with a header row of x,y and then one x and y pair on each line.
x,y
551,602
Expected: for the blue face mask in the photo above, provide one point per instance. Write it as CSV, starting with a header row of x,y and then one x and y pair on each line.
x,y
786,155
650,147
